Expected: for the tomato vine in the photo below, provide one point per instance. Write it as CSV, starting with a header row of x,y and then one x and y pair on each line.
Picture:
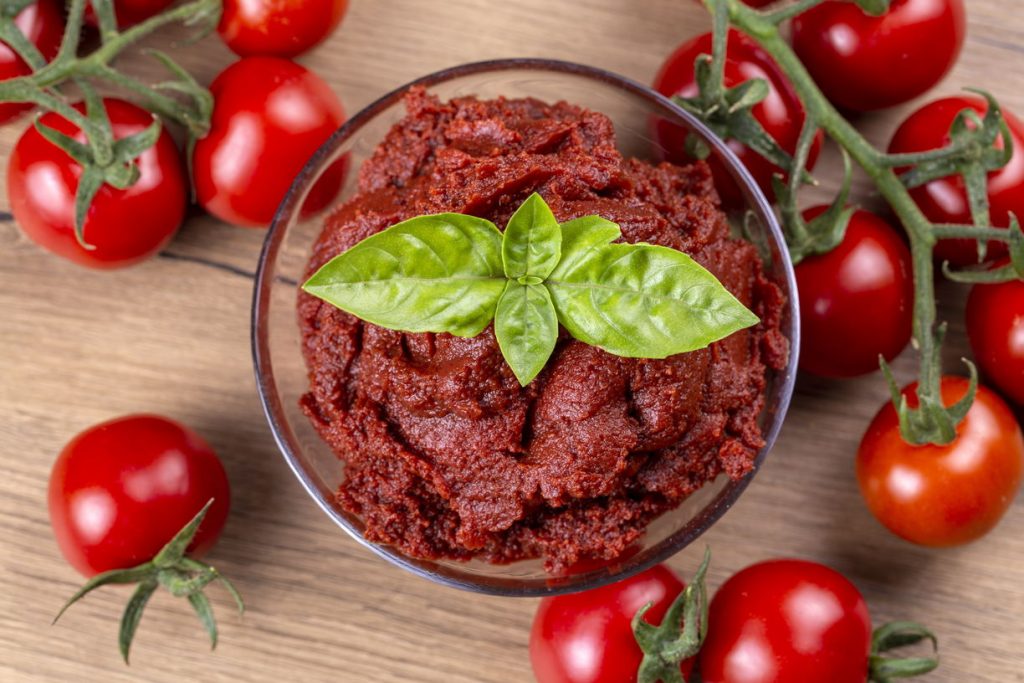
x,y
972,153
103,159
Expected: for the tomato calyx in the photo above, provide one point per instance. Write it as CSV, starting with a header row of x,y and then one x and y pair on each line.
x,y
680,634
182,576
825,231
896,635
104,160
728,112
972,154
930,421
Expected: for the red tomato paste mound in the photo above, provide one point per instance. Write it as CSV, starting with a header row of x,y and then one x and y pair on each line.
x,y
446,456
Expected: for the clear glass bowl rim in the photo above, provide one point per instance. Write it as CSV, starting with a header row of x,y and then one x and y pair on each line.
x,y
264,371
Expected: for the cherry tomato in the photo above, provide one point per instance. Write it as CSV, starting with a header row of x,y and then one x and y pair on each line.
x,y
945,200
785,621
943,495
120,490
123,226
130,12
588,637
995,326
279,28
42,23
270,115
866,278
863,63
781,113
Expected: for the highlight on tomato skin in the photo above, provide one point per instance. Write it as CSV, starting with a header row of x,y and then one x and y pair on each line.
x,y
948,495
42,22
945,200
856,301
864,63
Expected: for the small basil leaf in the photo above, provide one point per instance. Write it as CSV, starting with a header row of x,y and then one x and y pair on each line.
x,y
526,327
532,243
580,238
440,273
645,301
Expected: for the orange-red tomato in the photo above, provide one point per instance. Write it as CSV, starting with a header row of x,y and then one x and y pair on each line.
x,y
943,495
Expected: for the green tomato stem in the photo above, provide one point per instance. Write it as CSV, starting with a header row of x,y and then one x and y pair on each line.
x,y
764,29
789,11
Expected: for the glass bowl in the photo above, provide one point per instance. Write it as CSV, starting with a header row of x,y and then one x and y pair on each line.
x,y
638,114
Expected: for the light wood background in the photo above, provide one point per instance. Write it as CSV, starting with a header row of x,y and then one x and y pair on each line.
x,y
172,336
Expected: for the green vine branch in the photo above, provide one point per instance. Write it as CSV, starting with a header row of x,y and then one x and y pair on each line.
x,y
104,160
973,153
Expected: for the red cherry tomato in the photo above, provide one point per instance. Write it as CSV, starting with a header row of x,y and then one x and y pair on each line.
x,y
943,495
278,28
945,200
42,23
781,113
270,115
124,226
866,278
995,326
130,12
120,490
588,637
863,63
785,621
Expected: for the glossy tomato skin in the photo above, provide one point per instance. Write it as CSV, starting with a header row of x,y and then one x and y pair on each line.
x,y
785,621
781,113
945,200
131,12
948,495
120,490
125,226
995,326
270,115
856,301
864,63
42,22
278,28
588,637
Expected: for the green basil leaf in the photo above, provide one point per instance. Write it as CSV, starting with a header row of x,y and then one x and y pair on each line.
x,y
532,243
440,273
580,238
644,301
526,327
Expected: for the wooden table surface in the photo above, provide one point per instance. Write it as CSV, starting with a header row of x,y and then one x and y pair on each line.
x,y
172,336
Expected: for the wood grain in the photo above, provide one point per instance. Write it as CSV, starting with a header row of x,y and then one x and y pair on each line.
x,y
172,336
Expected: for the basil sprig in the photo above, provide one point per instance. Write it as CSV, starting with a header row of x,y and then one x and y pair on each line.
x,y
454,273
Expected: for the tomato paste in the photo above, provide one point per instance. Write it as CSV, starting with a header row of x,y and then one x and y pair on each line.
x,y
445,455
